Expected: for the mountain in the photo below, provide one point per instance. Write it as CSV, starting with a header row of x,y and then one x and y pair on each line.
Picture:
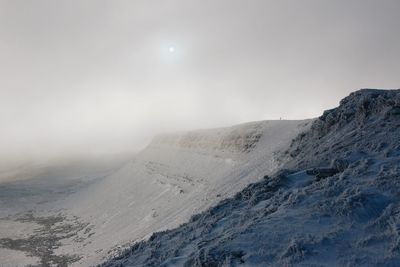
x,y
332,199
176,176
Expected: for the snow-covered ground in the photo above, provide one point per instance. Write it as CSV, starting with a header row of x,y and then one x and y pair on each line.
x,y
176,176
334,202
322,192
30,210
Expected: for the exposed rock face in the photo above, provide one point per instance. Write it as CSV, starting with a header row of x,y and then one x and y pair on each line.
x,y
336,203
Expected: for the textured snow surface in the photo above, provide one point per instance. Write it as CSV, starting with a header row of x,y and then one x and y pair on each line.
x,y
176,176
32,219
335,200
81,214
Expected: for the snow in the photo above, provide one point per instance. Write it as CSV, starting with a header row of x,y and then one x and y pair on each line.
x,y
320,192
176,176
16,258
334,202
104,206
30,204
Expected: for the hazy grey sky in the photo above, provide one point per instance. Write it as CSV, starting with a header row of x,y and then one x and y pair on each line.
x,y
99,75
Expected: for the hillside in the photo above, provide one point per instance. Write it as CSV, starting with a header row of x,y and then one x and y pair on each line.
x,y
333,201
176,176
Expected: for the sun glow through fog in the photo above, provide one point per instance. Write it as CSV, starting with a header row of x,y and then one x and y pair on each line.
x,y
124,74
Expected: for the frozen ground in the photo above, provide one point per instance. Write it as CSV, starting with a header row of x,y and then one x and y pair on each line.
x,y
329,197
82,215
175,177
32,221
334,202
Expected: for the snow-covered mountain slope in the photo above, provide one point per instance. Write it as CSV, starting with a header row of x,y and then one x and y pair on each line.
x,y
334,202
176,176
30,197
31,186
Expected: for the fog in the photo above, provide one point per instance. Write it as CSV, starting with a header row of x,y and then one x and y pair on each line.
x,y
103,77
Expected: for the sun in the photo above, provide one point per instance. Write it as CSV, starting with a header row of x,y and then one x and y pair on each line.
x,y
171,49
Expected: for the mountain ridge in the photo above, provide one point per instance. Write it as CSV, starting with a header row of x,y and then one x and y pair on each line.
x,y
173,178
334,201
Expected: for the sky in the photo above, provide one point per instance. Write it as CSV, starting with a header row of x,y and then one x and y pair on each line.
x,y
106,76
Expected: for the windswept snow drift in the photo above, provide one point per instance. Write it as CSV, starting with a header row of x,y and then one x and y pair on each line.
x,y
176,176
335,201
